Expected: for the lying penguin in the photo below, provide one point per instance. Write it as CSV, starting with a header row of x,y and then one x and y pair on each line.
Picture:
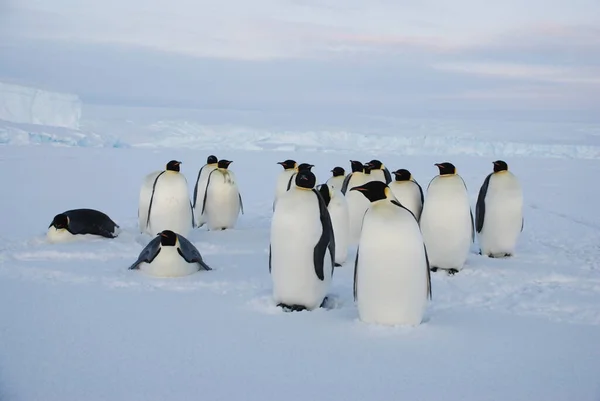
x,y
169,255
65,226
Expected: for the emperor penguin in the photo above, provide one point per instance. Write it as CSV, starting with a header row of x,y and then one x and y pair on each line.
x,y
302,247
499,212
357,204
289,168
356,176
447,220
340,219
337,179
391,272
169,255
211,164
380,172
408,191
66,225
166,205
301,167
222,199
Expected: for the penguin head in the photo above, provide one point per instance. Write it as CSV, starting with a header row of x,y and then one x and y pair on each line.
x,y
500,165
173,165
367,168
224,163
446,168
288,164
375,164
212,159
168,238
338,171
402,175
373,190
305,179
356,166
60,221
325,192
305,167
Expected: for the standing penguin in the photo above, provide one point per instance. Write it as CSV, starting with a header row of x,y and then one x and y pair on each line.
x,y
168,205
358,204
379,171
336,181
169,255
302,248
222,199
447,221
340,219
391,274
356,177
211,164
66,225
499,212
301,167
408,191
289,168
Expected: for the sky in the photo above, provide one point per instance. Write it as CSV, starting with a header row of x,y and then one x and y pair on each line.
x,y
384,56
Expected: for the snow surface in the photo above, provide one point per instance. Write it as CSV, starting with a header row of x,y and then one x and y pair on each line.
x,y
27,105
76,324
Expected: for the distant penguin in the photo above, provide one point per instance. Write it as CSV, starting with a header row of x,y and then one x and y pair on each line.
x,y
289,168
211,164
499,212
340,219
168,206
357,203
356,176
302,247
391,274
408,192
336,181
301,167
379,171
222,199
169,255
66,225
447,221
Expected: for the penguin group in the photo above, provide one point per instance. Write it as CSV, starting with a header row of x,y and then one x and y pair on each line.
x,y
401,233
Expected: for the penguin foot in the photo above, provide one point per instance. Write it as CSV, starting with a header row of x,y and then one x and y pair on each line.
x,y
291,308
452,272
433,269
324,303
508,255
337,264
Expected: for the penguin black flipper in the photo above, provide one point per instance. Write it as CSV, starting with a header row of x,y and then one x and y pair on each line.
x,y
345,183
522,223
190,253
152,198
270,257
148,254
326,241
480,206
472,225
355,273
289,185
387,175
395,202
241,203
196,186
193,219
421,192
206,192
428,272
90,221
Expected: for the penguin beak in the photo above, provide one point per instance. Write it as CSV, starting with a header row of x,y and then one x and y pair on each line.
x,y
163,235
361,189
280,163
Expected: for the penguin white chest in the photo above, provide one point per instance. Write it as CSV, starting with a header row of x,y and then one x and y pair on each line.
x,y
340,220
336,183
391,269
295,230
61,235
446,222
357,206
282,182
170,208
503,215
169,263
223,205
409,195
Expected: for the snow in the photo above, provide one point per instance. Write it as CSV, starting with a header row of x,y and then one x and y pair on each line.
x,y
76,324
28,105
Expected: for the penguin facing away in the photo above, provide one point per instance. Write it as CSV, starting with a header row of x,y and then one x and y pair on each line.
x,y
222,199
407,191
301,167
169,206
302,247
392,280
66,225
379,171
340,220
211,164
447,221
169,255
289,168
356,176
336,181
499,212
